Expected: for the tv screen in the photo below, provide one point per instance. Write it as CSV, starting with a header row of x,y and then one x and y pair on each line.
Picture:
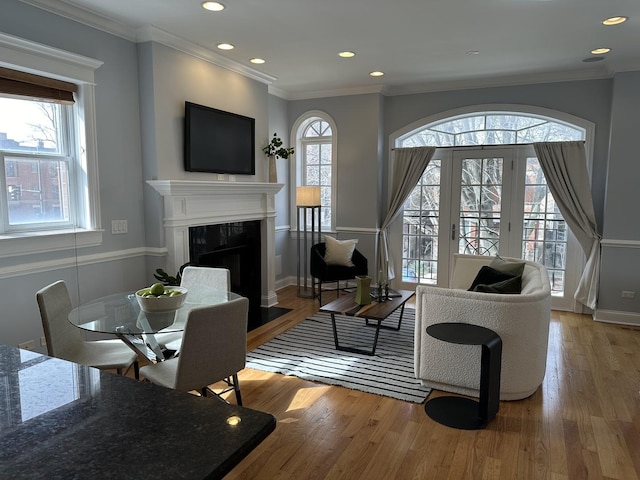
x,y
218,142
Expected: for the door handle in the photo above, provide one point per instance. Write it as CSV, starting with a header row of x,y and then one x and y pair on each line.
x,y
453,231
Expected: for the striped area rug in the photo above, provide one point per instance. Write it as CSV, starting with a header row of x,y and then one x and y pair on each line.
x,y
308,351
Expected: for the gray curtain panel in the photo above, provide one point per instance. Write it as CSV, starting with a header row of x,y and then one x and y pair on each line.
x,y
564,167
409,165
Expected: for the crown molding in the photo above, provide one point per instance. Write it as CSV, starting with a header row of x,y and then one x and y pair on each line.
x,y
144,34
278,92
151,33
502,81
35,57
340,92
451,85
155,34
86,17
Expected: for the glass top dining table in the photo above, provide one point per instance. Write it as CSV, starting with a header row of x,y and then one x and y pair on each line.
x,y
121,315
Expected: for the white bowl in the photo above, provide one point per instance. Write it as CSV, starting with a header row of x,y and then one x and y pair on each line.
x,y
162,304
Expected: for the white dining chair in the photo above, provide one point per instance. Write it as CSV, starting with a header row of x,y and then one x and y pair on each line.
x,y
65,340
194,278
214,348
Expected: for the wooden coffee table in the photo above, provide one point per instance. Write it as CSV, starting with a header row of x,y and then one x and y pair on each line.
x,y
376,311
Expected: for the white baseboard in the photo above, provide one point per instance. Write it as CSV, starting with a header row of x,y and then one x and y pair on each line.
x,y
614,316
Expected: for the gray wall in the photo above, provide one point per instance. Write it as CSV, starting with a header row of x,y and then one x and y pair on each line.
x,y
140,94
168,79
357,119
621,238
119,151
611,104
590,100
278,123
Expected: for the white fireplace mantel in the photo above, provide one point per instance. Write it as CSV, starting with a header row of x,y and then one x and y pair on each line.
x,y
193,203
198,187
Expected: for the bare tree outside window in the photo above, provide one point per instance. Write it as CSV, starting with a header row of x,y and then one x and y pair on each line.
x,y
36,172
544,236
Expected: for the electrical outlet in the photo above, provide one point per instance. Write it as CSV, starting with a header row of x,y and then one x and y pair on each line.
x,y
28,345
119,227
627,294
232,178
43,341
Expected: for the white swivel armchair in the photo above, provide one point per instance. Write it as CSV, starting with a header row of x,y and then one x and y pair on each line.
x,y
65,340
214,348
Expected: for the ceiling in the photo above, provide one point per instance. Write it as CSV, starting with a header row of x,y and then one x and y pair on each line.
x,y
420,45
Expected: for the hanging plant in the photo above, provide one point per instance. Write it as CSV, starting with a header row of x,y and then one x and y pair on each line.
x,y
275,149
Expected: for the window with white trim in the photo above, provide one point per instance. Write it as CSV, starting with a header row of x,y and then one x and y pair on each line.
x,y
316,167
48,151
38,165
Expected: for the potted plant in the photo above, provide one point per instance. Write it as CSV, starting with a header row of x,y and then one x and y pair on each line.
x,y
167,279
273,150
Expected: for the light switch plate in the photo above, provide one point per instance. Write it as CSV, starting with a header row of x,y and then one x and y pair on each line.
x,y
119,227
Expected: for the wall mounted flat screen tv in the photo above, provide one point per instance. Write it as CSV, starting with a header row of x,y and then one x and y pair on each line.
x,y
216,141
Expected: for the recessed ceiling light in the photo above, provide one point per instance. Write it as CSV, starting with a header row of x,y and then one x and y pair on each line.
x,y
376,74
257,60
615,20
600,51
347,54
225,46
473,52
213,6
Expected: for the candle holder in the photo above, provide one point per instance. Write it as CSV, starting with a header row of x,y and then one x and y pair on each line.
x,y
380,293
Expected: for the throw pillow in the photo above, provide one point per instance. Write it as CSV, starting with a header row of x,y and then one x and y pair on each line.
x,y
510,286
504,266
339,252
488,275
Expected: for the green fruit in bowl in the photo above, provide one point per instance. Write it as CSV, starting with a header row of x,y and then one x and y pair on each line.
x,y
169,300
156,289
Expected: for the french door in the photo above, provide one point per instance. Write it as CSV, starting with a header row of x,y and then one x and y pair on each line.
x,y
484,201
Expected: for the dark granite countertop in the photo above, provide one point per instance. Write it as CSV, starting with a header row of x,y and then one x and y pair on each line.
x,y
61,420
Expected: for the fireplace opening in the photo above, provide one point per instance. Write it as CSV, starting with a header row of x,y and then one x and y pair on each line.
x,y
236,247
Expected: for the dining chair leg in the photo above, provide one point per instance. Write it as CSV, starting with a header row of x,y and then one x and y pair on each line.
x,y
136,370
236,389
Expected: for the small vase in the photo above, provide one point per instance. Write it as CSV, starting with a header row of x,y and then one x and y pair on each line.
x,y
273,172
363,289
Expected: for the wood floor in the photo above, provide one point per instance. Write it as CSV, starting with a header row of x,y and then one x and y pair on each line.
x,y
583,423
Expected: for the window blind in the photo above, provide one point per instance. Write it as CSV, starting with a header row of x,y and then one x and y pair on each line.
x,y
24,84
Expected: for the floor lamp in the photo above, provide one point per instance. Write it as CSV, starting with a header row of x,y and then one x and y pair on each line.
x,y
307,198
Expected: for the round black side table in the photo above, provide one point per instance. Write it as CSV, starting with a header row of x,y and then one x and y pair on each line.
x,y
465,413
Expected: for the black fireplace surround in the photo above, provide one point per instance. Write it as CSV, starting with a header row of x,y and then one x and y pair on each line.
x,y
236,247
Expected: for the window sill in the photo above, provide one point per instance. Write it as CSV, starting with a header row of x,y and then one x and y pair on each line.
x,y
49,241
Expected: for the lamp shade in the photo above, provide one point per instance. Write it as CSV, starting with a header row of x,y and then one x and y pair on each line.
x,y
308,196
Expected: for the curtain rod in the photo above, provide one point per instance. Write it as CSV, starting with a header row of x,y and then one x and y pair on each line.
x,y
482,147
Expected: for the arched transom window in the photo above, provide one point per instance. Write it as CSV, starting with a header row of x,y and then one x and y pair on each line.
x,y
492,128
